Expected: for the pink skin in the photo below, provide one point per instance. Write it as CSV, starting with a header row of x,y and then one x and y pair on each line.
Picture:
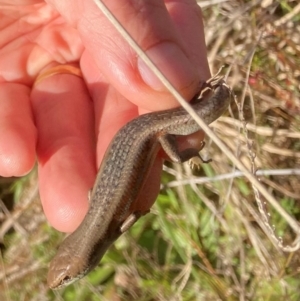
x,y
56,119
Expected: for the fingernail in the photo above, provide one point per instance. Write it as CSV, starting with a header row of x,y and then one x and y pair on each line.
x,y
172,62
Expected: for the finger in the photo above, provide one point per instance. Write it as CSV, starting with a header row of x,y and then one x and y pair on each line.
x,y
112,110
189,24
18,132
150,190
154,30
64,119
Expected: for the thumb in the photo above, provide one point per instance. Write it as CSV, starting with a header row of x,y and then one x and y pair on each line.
x,y
171,33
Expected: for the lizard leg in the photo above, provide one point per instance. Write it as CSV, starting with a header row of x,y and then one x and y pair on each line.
x,y
131,219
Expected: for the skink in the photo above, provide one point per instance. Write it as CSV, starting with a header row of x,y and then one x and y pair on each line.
x,y
121,177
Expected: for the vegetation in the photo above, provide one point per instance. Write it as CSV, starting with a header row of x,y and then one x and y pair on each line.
x,y
204,238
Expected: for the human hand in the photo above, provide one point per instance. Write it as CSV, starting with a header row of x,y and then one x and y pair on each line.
x,y
56,118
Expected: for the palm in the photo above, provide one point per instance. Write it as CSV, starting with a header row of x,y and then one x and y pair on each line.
x,y
34,38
